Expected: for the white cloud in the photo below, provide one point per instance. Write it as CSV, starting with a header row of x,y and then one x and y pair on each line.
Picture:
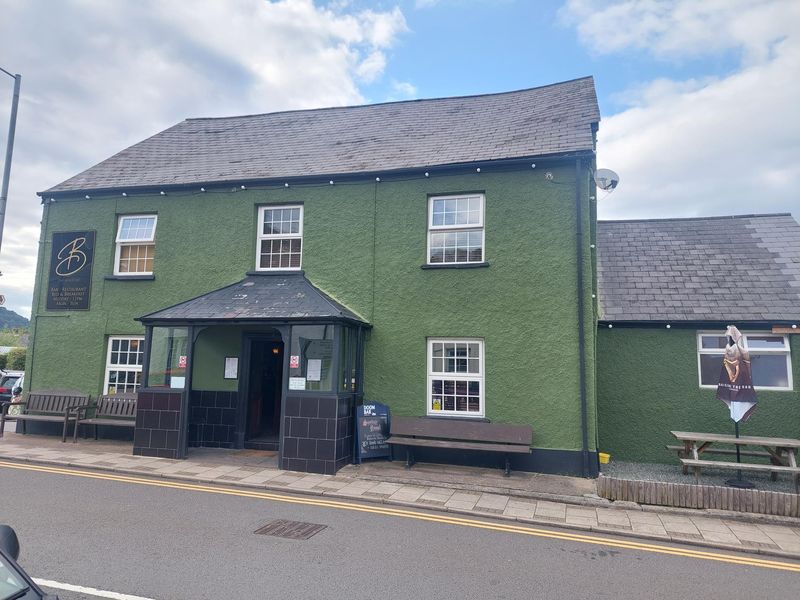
x,y
99,76
403,90
682,28
727,147
707,145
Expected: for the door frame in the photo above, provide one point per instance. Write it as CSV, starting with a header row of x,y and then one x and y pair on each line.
x,y
280,334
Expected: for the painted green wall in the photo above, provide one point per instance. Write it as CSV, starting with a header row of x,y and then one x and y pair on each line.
x,y
364,244
647,386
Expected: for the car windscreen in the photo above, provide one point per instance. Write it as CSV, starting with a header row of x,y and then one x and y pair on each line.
x,y
11,583
9,381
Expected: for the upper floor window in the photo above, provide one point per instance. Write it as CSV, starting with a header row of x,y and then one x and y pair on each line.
x,y
136,247
455,229
770,359
455,377
280,237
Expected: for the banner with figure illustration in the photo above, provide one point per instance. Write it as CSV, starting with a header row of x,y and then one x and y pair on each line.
x,y
735,387
69,284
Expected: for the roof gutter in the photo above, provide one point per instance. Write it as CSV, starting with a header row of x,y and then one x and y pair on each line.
x,y
325,178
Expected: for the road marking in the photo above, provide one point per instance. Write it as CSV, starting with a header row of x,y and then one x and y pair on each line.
x,y
68,587
410,514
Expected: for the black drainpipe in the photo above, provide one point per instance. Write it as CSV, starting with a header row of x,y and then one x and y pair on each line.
x,y
581,337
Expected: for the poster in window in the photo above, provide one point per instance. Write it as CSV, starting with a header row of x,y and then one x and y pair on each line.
x,y
69,283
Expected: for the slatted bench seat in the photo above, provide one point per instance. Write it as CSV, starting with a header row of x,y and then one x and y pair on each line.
x,y
681,450
117,410
460,435
47,407
697,465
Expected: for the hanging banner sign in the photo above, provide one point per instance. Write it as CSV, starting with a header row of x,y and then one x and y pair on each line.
x,y
69,282
372,429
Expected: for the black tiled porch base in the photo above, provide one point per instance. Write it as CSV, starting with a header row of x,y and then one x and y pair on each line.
x,y
212,419
157,422
318,433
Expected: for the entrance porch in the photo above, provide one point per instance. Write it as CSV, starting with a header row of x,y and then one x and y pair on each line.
x,y
269,363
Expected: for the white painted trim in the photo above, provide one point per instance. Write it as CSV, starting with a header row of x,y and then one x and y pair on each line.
x,y
479,376
260,236
128,368
141,242
445,228
786,351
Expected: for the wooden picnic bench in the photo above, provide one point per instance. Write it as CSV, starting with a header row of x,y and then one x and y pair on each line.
x,y
111,410
48,407
459,435
781,452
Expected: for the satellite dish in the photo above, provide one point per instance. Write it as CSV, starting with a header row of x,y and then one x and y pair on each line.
x,y
606,179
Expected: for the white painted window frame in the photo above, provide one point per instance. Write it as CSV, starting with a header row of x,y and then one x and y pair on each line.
x,y
112,367
260,236
479,376
444,228
138,242
785,351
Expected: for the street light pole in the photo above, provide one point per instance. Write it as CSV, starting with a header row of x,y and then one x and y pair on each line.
x,y
12,127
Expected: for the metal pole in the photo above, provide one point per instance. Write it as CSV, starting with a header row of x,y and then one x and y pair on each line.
x,y
12,126
738,455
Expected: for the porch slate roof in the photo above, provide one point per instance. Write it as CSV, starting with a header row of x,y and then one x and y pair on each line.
x,y
267,297
736,268
547,120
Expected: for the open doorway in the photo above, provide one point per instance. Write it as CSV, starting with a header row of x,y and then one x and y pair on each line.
x,y
262,428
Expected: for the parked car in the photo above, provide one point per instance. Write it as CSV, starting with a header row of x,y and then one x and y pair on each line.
x,y
8,381
15,583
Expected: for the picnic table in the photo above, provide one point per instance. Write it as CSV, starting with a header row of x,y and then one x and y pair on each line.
x,y
781,452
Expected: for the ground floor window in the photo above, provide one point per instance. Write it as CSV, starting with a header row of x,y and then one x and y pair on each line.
x,y
455,377
770,359
124,364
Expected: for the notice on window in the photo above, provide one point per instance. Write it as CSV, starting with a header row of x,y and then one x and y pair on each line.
x,y
297,383
177,383
231,367
314,369
294,361
182,361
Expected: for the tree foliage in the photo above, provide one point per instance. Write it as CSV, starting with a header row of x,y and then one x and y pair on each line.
x,y
16,359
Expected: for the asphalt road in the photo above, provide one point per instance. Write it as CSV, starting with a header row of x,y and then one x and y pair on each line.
x,y
162,543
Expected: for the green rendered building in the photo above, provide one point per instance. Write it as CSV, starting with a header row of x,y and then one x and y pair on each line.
x,y
254,279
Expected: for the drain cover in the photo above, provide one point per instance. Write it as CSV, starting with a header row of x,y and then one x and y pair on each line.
x,y
293,530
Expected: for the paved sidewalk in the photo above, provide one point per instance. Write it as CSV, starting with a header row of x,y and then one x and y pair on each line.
x,y
526,498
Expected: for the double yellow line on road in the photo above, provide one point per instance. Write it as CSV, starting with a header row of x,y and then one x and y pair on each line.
x,y
421,516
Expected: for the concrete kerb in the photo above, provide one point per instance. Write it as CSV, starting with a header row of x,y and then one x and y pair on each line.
x,y
624,533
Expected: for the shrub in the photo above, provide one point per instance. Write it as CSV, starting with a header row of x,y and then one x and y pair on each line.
x,y
16,359
3,360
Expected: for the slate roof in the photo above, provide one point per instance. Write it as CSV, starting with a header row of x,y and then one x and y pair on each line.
x,y
540,121
270,296
737,268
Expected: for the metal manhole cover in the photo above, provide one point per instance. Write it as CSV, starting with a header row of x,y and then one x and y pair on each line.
x,y
293,530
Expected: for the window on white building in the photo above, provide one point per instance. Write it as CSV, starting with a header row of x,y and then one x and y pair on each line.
x,y
280,238
136,245
124,364
455,229
455,377
770,359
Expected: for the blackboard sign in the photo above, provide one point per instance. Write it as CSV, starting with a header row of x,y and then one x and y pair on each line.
x,y
70,279
372,429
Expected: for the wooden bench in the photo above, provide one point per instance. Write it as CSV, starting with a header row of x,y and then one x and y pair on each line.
x,y
48,407
698,464
455,434
118,410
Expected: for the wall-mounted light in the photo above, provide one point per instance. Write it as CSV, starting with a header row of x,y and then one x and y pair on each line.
x,y
378,179
124,194
478,170
331,182
87,196
244,187
669,326
202,189
163,193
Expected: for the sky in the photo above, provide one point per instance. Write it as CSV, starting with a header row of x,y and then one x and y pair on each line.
x,y
699,100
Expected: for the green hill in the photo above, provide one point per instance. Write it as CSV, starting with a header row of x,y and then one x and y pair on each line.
x,y
11,320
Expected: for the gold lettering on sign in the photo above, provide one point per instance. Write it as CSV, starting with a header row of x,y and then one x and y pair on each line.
x,y
73,261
